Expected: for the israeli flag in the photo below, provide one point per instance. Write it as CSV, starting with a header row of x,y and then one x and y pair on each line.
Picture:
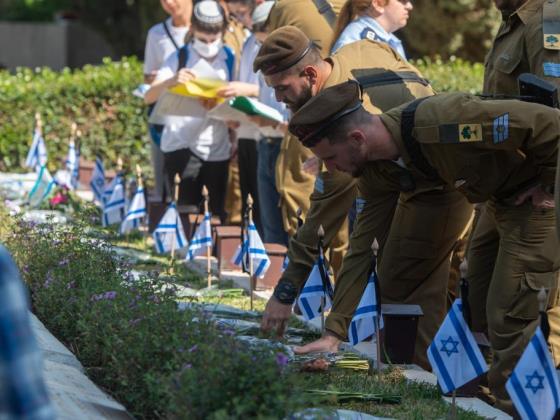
x,y
254,246
533,384
201,240
72,165
97,182
37,155
136,212
314,290
113,210
169,231
285,263
454,354
364,322
42,188
108,190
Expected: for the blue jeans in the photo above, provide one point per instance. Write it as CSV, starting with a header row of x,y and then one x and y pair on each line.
x,y
271,215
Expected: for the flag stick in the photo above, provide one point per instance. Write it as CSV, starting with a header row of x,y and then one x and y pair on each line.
x,y
454,405
206,197
139,186
375,250
251,268
321,235
38,123
177,181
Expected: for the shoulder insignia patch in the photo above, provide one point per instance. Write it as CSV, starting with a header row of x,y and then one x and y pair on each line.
x,y
551,69
470,133
319,184
368,34
552,41
500,129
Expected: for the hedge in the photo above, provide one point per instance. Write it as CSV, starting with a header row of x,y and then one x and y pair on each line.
x,y
112,120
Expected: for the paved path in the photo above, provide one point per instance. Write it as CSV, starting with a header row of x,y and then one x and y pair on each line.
x,y
73,394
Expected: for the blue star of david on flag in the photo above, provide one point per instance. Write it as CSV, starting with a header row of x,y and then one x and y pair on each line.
x,y
449,346
169,232
454,355
533,385
367,317
201,240
316,295
500,129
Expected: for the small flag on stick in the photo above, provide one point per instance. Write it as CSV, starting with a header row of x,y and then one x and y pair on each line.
x,y
97,182
137,208
454,354
113,210
37,155
42,188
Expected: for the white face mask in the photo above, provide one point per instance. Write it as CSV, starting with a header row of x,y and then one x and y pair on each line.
x,y
207,50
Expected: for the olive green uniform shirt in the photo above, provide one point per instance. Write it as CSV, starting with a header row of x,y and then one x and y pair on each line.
x,y
486,149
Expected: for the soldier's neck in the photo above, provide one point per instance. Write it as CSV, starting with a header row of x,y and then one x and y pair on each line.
x,y
381,145
324,71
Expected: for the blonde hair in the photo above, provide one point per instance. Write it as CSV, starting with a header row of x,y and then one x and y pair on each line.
x,y
348,13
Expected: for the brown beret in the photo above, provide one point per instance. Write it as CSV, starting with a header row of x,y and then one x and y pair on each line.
x,y
311,121
281,49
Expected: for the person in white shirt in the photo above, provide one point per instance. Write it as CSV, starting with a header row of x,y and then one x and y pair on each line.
x,y
196,147
163,39
372,19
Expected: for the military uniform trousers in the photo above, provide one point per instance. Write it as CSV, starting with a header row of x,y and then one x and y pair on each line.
x,y
417,233
514,251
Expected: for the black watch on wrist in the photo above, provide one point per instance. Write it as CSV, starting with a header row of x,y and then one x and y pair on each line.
x,y
285,292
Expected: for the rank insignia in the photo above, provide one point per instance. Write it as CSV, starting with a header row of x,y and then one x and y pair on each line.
x,y
551,69
368,34
552,41
500,130
470,133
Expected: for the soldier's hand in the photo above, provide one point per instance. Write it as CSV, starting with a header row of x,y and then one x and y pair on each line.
x,y
326,344
276,316
312,166
539,198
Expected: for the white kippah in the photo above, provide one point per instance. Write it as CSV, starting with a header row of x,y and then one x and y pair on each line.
x,y
261,12
208,11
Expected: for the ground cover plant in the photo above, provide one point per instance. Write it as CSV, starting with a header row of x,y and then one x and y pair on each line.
x,y
161,362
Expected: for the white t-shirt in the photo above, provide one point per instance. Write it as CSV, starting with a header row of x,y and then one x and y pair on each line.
x,y
247,75
205,137
159,46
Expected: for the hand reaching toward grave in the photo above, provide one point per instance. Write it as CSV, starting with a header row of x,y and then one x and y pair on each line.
x,y
326,344
276,316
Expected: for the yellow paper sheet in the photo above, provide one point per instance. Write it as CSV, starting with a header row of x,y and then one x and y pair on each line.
x,y
199,88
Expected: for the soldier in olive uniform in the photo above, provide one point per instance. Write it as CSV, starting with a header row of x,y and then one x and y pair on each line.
x,y
316,19
503,152
296,71
527,42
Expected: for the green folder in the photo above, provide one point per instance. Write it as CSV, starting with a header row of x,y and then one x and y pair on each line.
x,y
252,106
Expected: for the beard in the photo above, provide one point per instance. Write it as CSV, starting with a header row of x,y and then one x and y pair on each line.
x,y
304,97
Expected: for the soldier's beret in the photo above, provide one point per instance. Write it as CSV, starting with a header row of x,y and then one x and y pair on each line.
x,y
311,121
282,49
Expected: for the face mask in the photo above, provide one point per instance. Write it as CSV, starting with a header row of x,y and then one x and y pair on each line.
x,y
207,50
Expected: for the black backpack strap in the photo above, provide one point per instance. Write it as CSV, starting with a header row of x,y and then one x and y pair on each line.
x,y
412,146
183,57
389,78
169,35
326,10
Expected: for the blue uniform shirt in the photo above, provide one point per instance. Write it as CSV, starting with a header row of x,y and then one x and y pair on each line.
x,y
366,27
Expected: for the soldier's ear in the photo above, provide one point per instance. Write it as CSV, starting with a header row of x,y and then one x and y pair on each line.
x,y
356,137
311,73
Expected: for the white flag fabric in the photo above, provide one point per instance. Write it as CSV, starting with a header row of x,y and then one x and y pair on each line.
x,y
113,210
72,165
315,291
37,155
201,240
42,188
97,182
169,231
136,212
365,319
533,384
108,190
257,252
454,354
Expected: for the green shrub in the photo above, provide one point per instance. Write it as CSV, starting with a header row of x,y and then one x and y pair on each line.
x,y
131,338
455,75
98,98
113,121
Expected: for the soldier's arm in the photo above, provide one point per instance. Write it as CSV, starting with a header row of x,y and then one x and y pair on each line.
x,y
331,200
373,221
